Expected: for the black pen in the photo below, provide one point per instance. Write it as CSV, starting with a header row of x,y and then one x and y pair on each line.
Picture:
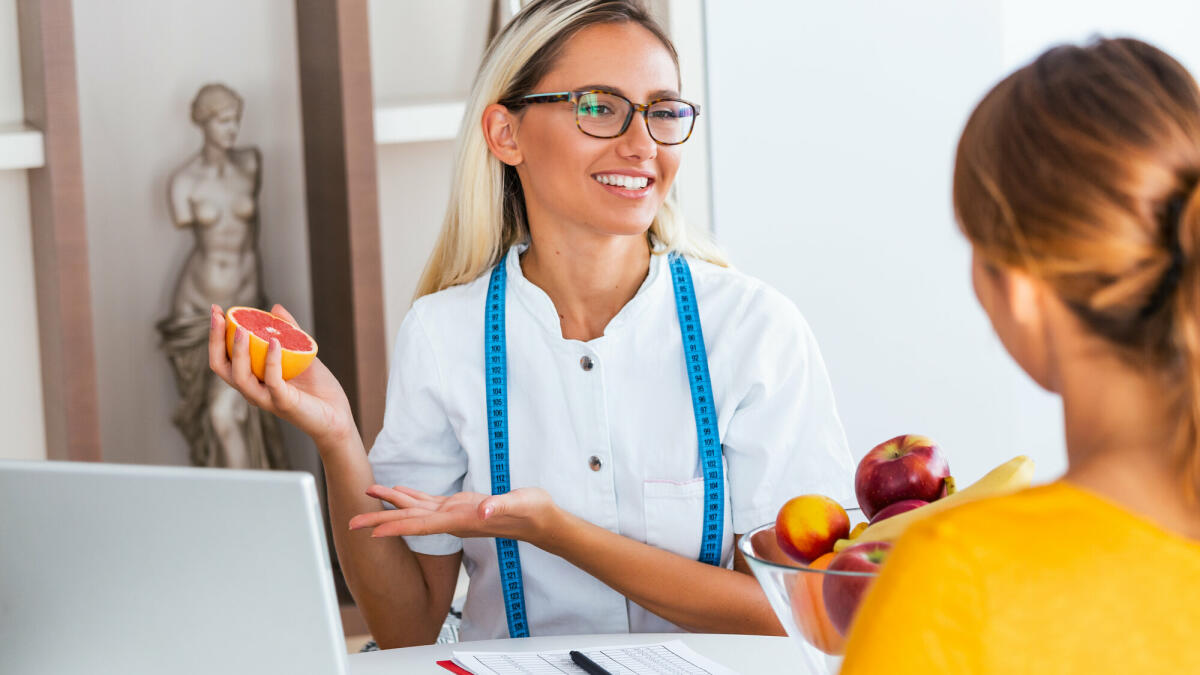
x,y
587,664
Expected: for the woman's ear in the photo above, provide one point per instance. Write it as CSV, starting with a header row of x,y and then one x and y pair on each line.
x,y
500,133
1024,296
1038,327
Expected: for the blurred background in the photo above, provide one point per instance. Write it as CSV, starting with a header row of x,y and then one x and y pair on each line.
x,y
845,204
822,163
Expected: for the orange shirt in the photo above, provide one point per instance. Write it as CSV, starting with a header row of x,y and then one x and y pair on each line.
x,y
1052,579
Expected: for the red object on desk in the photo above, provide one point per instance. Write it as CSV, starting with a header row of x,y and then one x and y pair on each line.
x,y
454,667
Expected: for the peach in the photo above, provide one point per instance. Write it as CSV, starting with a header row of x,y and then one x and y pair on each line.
x,y
807,526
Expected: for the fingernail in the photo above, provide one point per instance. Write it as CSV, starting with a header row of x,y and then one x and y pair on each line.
x,y
239,335
213,320
274,344
487,511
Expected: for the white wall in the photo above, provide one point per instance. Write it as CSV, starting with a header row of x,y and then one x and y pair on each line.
x,y
684,20
11,102
1030,26
845,204
21,413
420,51
140,63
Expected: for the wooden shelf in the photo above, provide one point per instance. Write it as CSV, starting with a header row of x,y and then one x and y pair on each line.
x,y
418,122
21,147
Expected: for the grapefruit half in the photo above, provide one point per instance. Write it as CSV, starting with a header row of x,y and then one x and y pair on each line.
x,y
299,349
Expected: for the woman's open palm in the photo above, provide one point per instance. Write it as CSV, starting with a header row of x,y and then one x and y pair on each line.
x,y
520,514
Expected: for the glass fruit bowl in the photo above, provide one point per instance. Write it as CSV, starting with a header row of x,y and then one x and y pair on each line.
x,y
798,593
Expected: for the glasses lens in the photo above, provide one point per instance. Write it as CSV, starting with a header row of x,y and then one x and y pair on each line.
x,y
671,121
601,115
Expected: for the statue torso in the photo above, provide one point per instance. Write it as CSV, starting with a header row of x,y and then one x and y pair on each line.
x,y
223,267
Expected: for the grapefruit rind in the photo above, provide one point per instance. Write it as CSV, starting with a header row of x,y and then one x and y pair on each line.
x,y
293,361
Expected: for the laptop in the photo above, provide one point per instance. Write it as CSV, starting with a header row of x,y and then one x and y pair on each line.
x,y
108,568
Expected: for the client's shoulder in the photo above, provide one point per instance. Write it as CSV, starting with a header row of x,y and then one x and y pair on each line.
x,y
1034,520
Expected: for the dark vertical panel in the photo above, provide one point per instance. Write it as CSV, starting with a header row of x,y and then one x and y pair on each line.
x,y
343,206
60,253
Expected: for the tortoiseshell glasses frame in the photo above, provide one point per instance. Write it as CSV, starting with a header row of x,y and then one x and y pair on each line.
x,y
588,116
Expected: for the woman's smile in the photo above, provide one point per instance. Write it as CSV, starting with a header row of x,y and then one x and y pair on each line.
x,y
625,183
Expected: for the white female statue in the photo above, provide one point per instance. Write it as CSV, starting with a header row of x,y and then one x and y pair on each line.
x,y
214,194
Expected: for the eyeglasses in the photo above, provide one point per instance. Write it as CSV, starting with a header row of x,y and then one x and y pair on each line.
x,y
605,114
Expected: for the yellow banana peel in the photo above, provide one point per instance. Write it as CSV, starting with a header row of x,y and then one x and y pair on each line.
x,y
1015,474
858,529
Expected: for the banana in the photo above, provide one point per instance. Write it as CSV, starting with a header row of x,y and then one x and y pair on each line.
x,y
858,529
1013,475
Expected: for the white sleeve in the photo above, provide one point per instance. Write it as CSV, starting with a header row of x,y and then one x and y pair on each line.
x,y
785,438
417,447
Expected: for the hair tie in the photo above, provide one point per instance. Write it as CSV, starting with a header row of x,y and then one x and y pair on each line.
x,y
1170,279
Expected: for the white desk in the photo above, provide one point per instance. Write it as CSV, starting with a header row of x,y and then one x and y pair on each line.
x,y
742,653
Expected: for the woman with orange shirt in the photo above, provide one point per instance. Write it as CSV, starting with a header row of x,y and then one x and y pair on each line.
x,y
1076,182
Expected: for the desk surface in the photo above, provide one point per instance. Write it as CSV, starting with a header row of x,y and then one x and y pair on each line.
x,y
742,653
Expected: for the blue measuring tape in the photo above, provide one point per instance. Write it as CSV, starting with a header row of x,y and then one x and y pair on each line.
x,y
703,408
496,365
709,441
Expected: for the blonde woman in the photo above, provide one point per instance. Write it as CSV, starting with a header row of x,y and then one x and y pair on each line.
x,y
585,405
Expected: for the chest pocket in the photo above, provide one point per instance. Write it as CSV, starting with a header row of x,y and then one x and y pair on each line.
x,y
673,518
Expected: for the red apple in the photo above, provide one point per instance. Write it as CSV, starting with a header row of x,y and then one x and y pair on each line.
x,y
807,526
906,467
898,508
842,593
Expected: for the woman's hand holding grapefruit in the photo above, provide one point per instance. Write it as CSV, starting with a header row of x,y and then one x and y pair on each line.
x,y
312,400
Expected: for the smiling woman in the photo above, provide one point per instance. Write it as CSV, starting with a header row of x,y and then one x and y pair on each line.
x,y
591,51
585,405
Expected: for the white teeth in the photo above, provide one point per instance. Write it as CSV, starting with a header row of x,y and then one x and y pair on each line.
x,y
619,180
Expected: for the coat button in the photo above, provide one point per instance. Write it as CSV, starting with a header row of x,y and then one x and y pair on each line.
x,y
594,463
587,363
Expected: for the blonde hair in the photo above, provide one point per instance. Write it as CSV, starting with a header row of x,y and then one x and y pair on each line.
x,y
1082,169
486,213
